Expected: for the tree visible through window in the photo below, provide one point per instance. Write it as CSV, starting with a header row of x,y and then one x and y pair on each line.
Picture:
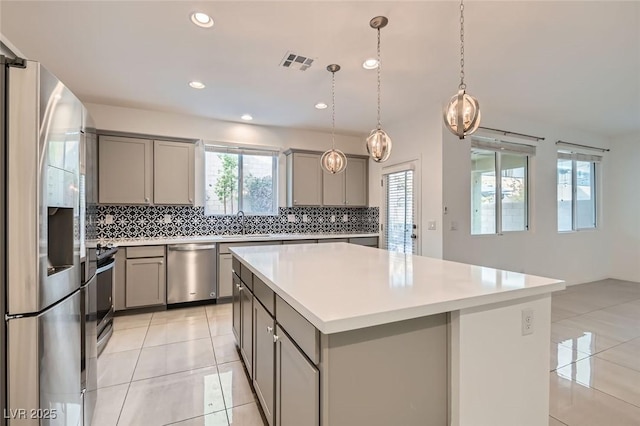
x,y
240,180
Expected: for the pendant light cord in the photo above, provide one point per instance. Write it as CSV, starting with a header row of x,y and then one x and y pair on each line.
x,y
462,86
379,65
333,110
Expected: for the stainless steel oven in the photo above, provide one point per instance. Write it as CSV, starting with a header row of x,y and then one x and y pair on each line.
x,y
106,277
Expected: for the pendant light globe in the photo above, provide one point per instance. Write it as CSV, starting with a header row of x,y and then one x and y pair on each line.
x,y
333,161
462,114
378,142
379,145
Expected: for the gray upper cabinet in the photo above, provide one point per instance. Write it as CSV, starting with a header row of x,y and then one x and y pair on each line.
x,y
304,179
357,182
173,172
309,185
125,170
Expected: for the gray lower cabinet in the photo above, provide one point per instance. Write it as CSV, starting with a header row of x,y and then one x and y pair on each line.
x,y
225,275
264,359
297,385
246,328
145,282
236,311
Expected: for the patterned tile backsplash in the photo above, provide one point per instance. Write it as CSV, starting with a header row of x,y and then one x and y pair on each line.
x,y
182,221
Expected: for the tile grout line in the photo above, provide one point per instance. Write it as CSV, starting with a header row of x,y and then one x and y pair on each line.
x,y
215,358
124,401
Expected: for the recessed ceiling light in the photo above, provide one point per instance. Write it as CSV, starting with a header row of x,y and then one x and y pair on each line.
x,y
202,20
321,105
370,64
247,117
197,84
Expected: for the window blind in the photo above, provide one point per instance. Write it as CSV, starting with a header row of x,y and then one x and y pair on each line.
x,y
399,218
579,156
501,146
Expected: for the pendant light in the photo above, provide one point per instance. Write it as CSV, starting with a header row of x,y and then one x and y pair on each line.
x,y
333,161
378,142
462,114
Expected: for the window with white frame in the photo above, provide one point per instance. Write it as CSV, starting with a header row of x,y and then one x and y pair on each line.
x,y
577,208
499,204
240,179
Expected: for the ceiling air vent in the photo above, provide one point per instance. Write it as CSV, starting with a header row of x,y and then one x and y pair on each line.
x,y
296,62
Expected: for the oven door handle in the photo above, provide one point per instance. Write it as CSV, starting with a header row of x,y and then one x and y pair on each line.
x,y
106,267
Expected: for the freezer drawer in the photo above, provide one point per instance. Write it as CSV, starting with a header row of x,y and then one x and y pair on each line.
x,y
191,272
44,366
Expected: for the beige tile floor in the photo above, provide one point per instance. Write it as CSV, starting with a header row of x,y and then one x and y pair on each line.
x,y
174,367
181,366
595,355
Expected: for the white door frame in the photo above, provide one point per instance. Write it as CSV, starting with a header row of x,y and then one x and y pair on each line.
x,y
416,166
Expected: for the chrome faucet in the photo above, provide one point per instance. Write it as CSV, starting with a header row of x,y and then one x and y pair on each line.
x,y
240,218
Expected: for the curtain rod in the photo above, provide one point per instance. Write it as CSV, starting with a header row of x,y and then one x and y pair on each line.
x,y
595,148
507,133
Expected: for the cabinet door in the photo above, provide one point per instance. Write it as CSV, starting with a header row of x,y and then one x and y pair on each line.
x,y
357,182
297,385
264,359
225,276
235,311
125,170
173,172
307,180
145,282
246,328
333,188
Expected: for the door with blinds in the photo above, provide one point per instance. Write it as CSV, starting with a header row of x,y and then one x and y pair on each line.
x,y
399,227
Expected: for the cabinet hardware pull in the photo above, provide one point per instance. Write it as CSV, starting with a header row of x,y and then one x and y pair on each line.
x,y
190,200
275,338
160,263
240,288
146,199
269,329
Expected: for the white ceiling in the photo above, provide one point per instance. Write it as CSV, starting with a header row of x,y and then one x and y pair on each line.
x,y
570,63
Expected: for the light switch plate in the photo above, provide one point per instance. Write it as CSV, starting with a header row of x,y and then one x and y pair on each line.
x,y
345,218
108,219
454,225
333,218
167,218
305,218
291,218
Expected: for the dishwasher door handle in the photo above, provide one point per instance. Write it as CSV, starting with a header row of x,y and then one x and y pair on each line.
x,y
188,247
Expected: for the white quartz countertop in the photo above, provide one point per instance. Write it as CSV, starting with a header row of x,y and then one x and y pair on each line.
x,y
226,239
340,287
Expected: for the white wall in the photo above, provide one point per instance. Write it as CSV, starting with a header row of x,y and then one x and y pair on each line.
x,y
185,126
418,137
625,211
575,257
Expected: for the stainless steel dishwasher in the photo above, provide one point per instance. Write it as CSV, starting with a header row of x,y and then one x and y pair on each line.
x,y
191,272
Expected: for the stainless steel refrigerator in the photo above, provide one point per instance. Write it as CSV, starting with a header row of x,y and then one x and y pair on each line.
x,y
41,131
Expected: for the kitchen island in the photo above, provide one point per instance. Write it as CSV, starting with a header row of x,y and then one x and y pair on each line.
x,y
337,334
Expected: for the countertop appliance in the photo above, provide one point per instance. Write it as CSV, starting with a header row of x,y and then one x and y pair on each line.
x,y
191,273
40,270
106,277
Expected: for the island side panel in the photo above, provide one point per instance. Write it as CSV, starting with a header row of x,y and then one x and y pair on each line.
x,y
391,374
498,376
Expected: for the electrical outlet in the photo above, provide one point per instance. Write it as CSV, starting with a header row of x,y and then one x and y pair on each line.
x,y
432,225
454,225
305,218
345,218
333,218
291,218
167,218
527,322
108,219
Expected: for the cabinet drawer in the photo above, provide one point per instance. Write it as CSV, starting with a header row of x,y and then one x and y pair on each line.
x,y
147,251
306,336
224,247
333,240
235,266
264,294
246,276
365,241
